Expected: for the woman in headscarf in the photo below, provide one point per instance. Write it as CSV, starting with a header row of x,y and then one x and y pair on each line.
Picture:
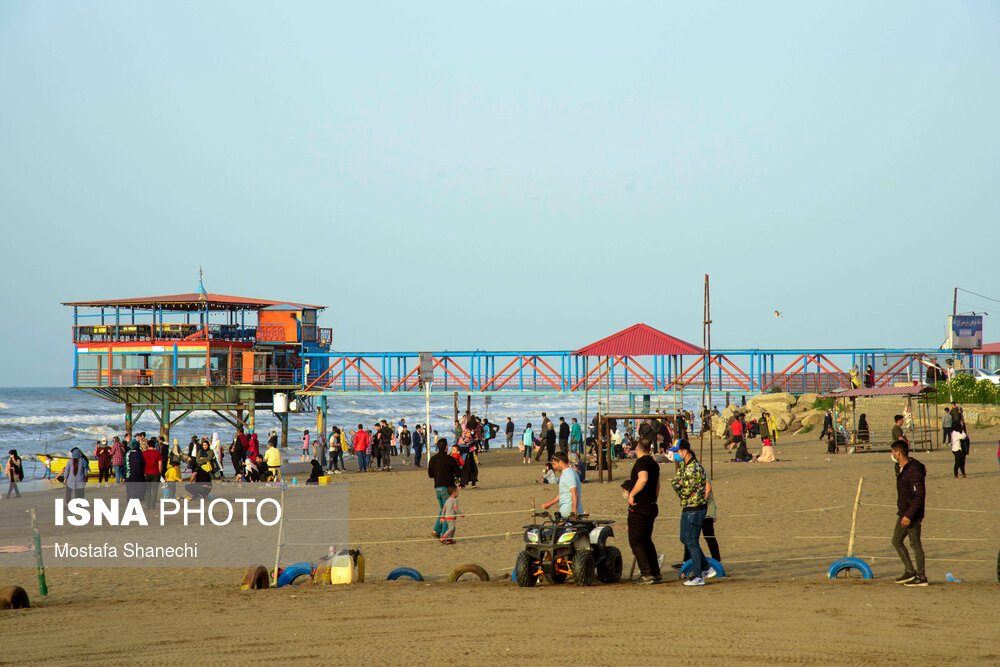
x,y
75,474
250,470
135,472
193,446
237,454
864,434
14,473
253,449
217,450
316,473
202,469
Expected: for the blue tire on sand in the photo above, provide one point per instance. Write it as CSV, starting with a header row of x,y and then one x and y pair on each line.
x,y
712,563
292,572
404,572
849,564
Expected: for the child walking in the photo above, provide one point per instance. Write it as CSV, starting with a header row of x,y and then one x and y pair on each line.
x,y
449,514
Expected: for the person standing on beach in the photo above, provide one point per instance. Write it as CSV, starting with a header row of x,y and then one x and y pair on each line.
x,y
151,471
576,438
509,432
103,455
544,436
360,445
897,430
946,426
419,435
75,474
385,445
643,492
444,470
910,494
690,483
13,471
305,445
118,459
956,448
527,443
563,435
405,441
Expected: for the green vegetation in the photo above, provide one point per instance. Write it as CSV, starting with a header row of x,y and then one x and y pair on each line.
x,y
824,403
806,429
965,389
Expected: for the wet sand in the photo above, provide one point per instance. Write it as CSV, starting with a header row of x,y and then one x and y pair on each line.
x,y
779,528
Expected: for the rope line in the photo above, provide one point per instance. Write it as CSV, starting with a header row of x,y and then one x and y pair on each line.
x,y
418,539
939,509
403,518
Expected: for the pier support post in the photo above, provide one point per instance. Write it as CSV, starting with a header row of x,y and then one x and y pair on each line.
x,y
321,415
251,418
165,420
283,416
128,419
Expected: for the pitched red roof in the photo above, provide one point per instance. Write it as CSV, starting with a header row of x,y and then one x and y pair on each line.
x,y
637,341
190,301
989,348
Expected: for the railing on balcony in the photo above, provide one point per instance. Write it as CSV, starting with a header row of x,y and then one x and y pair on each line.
x,y
186,377
151,332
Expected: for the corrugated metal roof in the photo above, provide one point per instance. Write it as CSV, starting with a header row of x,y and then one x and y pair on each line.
x,y
989,348
636,341
908,390
187,301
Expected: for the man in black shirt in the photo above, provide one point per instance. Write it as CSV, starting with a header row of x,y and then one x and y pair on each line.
x,y
444,470
563,435
385,444
644,490
510,433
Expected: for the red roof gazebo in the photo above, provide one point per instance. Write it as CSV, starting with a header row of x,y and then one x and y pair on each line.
x,y
638,340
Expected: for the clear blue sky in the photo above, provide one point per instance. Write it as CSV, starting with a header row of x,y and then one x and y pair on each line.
x,y
503,175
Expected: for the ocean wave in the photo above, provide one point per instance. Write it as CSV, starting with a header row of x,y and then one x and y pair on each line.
x,y
56,419
3,406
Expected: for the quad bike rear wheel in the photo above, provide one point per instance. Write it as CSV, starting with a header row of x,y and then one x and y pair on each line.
x,y
610,569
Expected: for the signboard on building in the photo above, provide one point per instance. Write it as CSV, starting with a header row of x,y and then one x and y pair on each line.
x,y
965,332
426,368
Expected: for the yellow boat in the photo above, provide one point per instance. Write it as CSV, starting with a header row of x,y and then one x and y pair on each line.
x,y
60,459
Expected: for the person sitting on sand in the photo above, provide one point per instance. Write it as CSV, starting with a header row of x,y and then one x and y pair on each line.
x,y
766,453
449,514
548,475
315,473
272,457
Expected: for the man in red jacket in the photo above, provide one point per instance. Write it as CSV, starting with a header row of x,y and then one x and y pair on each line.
x,y
151,455
910,495
361,443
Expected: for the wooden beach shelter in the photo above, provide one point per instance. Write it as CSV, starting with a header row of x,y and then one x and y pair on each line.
x,y
623,349
880,404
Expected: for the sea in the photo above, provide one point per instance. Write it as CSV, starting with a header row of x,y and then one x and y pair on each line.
x,y
39,420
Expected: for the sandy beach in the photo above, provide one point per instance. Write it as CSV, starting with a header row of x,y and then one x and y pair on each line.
x,y
780,526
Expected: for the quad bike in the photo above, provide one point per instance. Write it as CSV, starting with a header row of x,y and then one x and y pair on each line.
x,y
575,547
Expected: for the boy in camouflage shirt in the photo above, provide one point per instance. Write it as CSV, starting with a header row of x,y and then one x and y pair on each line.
x,y
691,486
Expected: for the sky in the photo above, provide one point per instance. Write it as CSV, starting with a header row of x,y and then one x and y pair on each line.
x,y
504,175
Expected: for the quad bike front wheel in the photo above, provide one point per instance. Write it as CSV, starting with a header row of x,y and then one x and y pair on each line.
x,y
524,570
583,568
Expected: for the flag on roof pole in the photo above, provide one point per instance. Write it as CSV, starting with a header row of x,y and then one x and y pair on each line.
x,y
202,294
